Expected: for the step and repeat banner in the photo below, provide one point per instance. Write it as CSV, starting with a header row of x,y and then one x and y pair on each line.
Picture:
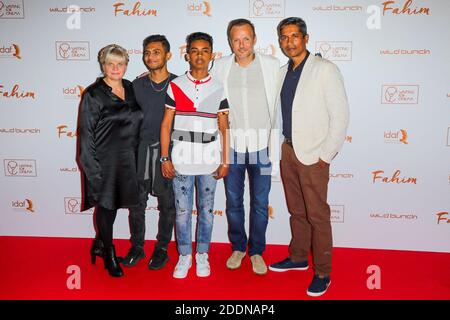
x,y
389,186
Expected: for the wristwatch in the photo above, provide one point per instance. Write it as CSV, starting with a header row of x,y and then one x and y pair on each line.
x,y
164,159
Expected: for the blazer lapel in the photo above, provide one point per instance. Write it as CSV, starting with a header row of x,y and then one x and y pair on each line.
x,y
304,78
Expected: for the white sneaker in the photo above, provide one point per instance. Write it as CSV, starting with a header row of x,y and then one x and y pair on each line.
x,y
183,265
202,267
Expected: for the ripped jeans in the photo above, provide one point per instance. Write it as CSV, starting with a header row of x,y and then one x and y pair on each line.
x,y
183,188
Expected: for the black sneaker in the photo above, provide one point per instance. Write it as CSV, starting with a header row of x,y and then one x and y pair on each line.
x,y
287,264
318,286
133,257
158,260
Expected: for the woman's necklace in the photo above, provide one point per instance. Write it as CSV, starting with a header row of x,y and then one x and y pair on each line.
x,y
164,87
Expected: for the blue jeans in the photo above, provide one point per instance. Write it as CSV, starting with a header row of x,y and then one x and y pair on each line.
x,y
183,188
258,167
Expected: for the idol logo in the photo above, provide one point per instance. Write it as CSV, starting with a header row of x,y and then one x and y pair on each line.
x,y
400,94
337,213
72,50
20,168
135,51
267,8
270,50
388,7
72,205
136,10
182,50
11,9
400,136
26,204
12,51
73,92
335,50
199,8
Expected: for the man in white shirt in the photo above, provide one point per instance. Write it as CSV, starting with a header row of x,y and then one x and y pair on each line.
x,y
315,114
251,84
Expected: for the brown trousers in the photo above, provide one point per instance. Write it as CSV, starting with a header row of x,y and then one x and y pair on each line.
x,y
306,188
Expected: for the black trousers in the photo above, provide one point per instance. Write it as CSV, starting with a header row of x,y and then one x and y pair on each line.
x,y
104,219
152,182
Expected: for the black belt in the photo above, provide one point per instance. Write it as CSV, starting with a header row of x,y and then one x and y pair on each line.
x,y
288,141
196,137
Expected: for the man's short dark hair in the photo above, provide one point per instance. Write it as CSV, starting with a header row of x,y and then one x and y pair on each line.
x,y
237,23
157,38
299,22
198,36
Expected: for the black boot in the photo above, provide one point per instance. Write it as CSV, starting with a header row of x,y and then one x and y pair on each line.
x,y
96,250
111,262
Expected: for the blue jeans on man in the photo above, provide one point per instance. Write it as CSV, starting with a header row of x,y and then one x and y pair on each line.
x,y
183,187
258,167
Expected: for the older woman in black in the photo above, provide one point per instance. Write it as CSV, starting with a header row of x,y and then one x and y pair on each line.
x,y
109,124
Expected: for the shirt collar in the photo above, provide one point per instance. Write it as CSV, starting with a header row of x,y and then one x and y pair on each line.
x,y
300,66
196,81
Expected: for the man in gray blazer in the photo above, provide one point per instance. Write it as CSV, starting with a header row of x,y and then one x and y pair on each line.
x,y
314,111
251,87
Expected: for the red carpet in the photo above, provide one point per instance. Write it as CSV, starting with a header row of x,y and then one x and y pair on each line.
x,y
35,268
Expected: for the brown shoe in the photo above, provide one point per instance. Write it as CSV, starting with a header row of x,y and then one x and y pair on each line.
x,y
234,261
259,266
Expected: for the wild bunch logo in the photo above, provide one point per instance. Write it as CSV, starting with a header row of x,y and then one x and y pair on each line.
x,y
396,178
16,93
400,136
73,92
405,52
20,130
11,51
399,94
442,217
267,8
340,8
72,9
393,216
72,50
344,176
69,169
63,132
20,167
408,8
133,11
26,205
199,8
11,9
335,50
